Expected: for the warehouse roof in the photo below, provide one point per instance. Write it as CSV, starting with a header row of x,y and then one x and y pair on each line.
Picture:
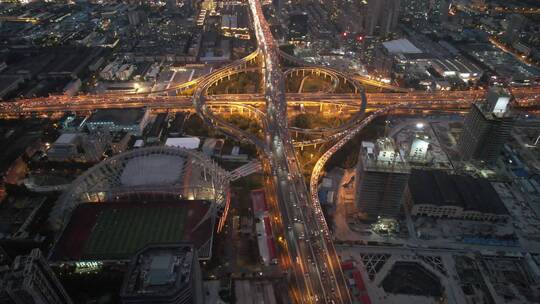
x,y
121,117
401,46
435,187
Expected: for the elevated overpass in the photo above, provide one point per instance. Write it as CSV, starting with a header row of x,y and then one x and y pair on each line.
x,y
314,268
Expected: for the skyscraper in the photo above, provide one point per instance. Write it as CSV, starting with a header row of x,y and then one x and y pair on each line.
x,y
31,281
134,17
418,12
439,10
4,258
414,12
172,5
487,127
298,27
515,25
278,5
381,17
382,177
188,4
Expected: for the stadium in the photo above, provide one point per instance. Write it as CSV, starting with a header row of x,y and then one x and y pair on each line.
x,y
148,195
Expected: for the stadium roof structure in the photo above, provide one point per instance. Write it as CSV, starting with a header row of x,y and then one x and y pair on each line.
x,y
116,231
133,175
153,169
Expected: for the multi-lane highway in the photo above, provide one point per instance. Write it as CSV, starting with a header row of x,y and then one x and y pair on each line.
x,y
316,271
313,265
524,97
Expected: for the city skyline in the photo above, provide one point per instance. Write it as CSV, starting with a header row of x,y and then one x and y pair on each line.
x,y
253,151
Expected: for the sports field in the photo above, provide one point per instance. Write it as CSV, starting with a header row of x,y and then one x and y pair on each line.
x,y
123,231
115,231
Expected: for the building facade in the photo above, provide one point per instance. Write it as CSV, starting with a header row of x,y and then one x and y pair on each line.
x,y
487,127
116,120
81,147
382,176
31,281
381,17
435,193
515,24
278,4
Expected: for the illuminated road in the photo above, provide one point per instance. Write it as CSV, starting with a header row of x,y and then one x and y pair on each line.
x,y
315,274
524,97
318,170
315,265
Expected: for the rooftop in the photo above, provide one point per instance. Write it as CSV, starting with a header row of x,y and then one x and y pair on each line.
x,y
383,156
160,270
401,46
435,187
460,65
16,139
66,138
118,116
154,169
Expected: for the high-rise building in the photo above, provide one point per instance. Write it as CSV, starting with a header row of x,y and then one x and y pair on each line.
x,y
172,5
5,260
487,127
164,274
439,10
189,4
80,146
516,23
413,7
418,12
134,17
31,281
380,17
414,12
298,27
382,177
278,5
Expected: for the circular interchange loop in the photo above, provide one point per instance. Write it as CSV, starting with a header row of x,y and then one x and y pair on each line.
x,y
200,96
204,110
314,71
